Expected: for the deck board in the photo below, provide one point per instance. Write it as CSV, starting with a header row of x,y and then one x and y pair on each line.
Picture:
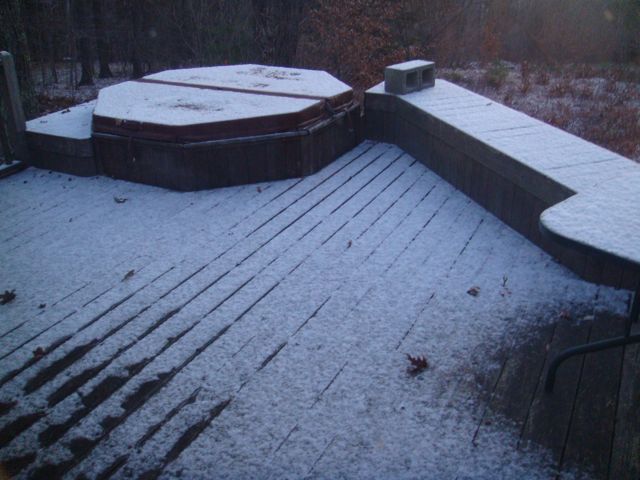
x,y
264,332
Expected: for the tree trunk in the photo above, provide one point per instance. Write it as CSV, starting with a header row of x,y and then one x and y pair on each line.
x,y
136,26
82,26
277,28
101,40
86,61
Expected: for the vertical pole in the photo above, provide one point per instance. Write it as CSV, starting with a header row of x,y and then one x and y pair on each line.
x,y
16,124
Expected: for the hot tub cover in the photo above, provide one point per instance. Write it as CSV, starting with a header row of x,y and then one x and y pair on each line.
x,y
212,103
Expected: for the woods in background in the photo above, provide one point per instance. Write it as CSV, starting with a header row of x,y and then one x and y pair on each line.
x,y
353,39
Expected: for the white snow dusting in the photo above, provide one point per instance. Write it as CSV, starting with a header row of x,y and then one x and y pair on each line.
x,y
297,301
175,106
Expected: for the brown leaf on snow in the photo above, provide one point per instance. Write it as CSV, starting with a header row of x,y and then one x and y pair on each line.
x,y
474,291
120,199
38,353
418,364
128,275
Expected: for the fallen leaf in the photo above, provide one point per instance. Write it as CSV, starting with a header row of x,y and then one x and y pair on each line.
x,y
120,199
42,305
259,189
418,364
474,291
349,244
128,275
38,353
7,297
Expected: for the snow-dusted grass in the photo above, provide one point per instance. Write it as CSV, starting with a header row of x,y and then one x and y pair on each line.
x,y
294,301
598,103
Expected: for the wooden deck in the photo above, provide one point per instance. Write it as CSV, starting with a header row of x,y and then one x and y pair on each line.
x,y
261,331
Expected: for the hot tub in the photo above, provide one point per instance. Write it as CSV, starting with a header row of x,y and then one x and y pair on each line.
x,y
210,127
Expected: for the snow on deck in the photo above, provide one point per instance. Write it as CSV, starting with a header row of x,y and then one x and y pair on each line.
x,y
261,331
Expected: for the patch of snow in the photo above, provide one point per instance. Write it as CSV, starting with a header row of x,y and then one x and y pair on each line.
x,y
604,218
283,80
73,122
340,273
177,106
411,64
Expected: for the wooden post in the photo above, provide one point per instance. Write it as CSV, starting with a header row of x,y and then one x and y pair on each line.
x,y
10,92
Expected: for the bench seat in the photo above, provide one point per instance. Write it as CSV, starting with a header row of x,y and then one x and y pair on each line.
x,y
514,165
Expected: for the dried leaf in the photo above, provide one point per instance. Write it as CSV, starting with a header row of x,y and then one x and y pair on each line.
x,y
42,305
7,296
418,364
474,291
259,189
38,353
128,275
120,199
349,244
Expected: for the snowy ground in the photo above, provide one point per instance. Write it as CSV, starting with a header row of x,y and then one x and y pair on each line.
x,y
262,330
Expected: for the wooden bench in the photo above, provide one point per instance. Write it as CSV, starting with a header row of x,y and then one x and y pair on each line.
x,y
517,167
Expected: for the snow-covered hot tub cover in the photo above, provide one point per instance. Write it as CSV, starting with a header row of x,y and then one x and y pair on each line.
x,y
213,103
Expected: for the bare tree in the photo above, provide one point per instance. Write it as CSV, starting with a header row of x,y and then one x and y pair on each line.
x,y
83,24
102,42
277,28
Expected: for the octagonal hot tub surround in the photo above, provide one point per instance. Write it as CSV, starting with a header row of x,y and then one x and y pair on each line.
x,y
220,126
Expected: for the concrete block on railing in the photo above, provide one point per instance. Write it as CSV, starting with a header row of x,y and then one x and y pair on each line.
x,y
409,76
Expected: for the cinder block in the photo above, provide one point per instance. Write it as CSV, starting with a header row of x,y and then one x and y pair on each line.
x,y
409,76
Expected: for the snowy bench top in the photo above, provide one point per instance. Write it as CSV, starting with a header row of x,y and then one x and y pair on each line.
x,y
73,122
604,219
553,153
602,216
